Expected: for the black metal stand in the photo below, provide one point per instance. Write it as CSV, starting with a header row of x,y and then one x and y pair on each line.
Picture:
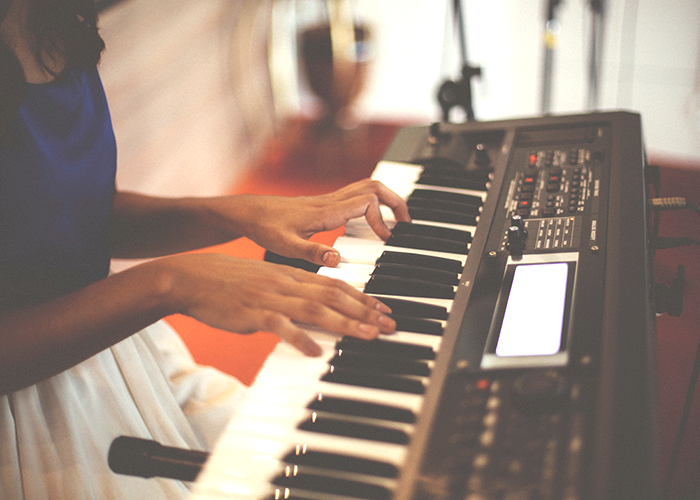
x,y
595,55
459,93
551,38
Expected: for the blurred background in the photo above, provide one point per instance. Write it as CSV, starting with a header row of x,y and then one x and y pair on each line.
x,y
198,88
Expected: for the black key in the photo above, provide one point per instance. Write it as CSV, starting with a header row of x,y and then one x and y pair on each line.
x,y
427,179
445,233
415,259
427,243
390,285
342,427
417,325
386,347
442,216
457,173
446,206
431,194
412,309
380,364
417,273
343,406
288,261
332,485
358,378
345,463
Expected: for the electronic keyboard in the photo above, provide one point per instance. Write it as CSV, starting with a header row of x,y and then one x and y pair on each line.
x,y
523,363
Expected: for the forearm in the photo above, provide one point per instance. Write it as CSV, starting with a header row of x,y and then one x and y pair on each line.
x,y
145,226
42,340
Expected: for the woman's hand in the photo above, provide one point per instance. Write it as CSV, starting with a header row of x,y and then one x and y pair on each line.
x,y
284,225
244,296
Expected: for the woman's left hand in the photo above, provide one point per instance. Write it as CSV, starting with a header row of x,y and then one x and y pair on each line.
x,y
283,225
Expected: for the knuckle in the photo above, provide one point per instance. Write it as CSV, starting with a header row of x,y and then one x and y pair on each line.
x,y
312,309
271,321
335,294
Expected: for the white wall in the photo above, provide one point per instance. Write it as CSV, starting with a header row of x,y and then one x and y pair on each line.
x,y
651,62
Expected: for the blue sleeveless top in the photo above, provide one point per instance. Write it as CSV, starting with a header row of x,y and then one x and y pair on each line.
x,y
57,183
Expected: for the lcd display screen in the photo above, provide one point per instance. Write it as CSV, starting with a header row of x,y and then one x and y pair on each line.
x,y
534,314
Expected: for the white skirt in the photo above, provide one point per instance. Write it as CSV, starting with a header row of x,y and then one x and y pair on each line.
x,y
55,435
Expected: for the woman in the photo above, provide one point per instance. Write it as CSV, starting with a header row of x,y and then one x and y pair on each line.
x,y
83,355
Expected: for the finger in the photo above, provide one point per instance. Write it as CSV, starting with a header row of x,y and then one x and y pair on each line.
x,y
290,333
336,306
318,314
385,196
392,200
317,253
367,300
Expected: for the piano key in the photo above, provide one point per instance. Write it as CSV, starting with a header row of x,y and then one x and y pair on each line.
x,y
407,228
345,406
364,251
332,485
313,458
253,457
417,325
339,426
357,274
412,338
403,177
435,215
432,194
410,308
374,380
427,243
283,382
457,173
298,263
421,260
418,273
391,285
386,347
431,178
380,364
448,206
359,229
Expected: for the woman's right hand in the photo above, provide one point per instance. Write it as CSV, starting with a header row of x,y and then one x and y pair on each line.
x,y
246,295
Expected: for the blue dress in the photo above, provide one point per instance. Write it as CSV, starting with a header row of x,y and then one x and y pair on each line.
x,y
57,182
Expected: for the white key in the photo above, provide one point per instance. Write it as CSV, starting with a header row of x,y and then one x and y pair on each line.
x,y
365,251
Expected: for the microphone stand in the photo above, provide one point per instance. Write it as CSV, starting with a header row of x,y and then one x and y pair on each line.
x,y
595,59
551,38
459,93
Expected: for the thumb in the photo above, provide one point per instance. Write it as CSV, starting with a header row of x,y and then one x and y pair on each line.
x,y
317,253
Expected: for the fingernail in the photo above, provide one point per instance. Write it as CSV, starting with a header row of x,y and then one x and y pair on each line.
x,y
382,307
368,331
387,323
331,258
311,348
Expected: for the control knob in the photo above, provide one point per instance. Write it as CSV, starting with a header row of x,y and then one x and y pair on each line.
x,y
517,234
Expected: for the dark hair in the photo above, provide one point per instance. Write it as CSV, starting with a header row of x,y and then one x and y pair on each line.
x,y
68,27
